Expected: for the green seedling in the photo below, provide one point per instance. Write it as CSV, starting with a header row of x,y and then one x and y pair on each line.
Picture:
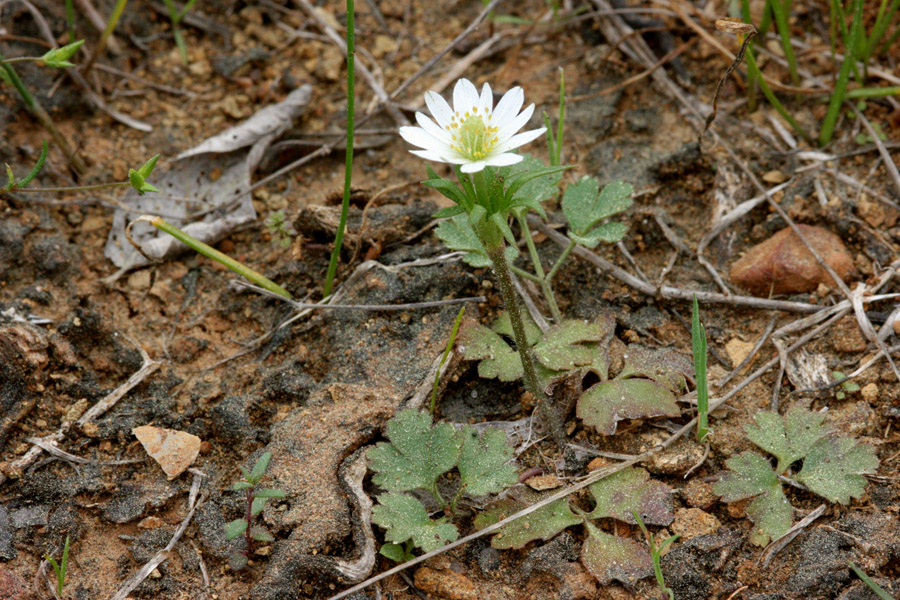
x,y
833,467
864,138
418,454
209,252
846,386
620,496
348,154
656,555
57,58
60,568
554,142
876,589
175,16
256,502
437,375
280,228
399,553
698,343
136,179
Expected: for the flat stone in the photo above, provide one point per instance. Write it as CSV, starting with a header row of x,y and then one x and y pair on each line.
x,y
783,265
173,450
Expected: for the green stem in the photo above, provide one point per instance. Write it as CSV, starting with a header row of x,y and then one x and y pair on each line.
x,y
41,116
773,100
22,59
79,188
780,11
559,261
529,241
525,274
541,278
348,156
501,271
562,116
210,252
837,97
118,9
880,92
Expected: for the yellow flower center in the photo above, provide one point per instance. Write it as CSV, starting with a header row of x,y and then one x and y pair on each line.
x,y
471,137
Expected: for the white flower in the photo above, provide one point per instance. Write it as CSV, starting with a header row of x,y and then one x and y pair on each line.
x,y
473,134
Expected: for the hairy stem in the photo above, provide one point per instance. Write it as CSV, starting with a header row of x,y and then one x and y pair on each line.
x,y
501,270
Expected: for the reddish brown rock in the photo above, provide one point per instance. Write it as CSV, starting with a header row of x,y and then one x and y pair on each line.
x,y
13,587
445,584
783,265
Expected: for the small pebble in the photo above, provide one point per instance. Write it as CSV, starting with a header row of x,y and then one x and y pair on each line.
x,y
869,392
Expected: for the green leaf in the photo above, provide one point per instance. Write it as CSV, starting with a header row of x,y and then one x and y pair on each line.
x,y
450,211
477,342
404,518
535,191
503,326
136,178
147,168
542,524
607,403
418,453
609,558
483,467
269,493
665,366
395,552
457,234
257,506
261,534
260,468
561,349
834,468
237,561
496,512
584,206
59,57
609,233
235,528
631,490
788,438
241,486
751,475
448,189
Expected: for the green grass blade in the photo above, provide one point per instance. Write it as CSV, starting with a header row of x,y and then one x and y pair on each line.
x,y
837,97
876,589
698,343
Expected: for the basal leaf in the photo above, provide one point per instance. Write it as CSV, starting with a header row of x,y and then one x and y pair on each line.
x,y
405,518
751,475
608,402
787,438
496,512
542,524
659,364
503,326
477,342
561,349
609,558
395,552
632,490
834,468
584,206
418,453
609,233
483,467
599,364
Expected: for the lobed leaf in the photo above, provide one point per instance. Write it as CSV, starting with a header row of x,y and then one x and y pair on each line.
x,y
584,206
608,402
418,453
751,475
457,234
834,468
405,518
477,342
483,467
542,524
788,438
609,558
631,490
561,348
665,366
503,326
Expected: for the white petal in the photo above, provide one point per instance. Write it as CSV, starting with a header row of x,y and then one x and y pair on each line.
x,y
503,160
473,167
439,108
520,139
429,155
421,138
516,124
430,127
463,93
487,99
508,106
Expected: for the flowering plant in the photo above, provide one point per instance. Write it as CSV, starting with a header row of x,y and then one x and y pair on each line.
x,y
494,183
